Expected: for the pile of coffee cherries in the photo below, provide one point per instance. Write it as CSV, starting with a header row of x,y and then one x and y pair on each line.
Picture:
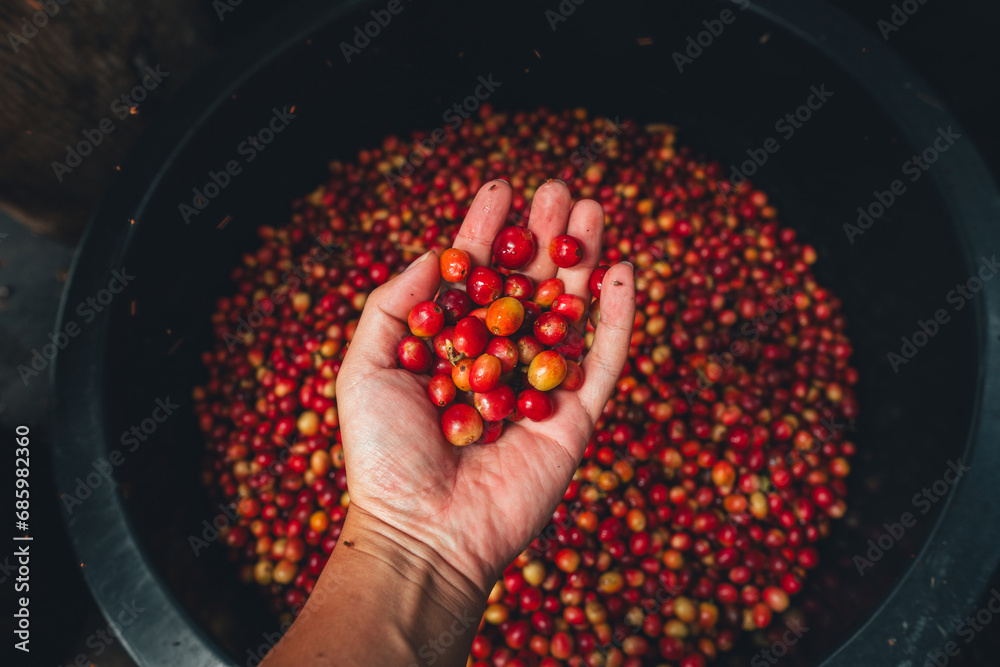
x,y
715,469
522,338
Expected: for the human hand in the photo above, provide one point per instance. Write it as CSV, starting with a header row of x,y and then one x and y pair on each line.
x,y
477,507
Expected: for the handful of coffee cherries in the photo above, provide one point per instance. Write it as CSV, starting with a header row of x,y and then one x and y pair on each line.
x,y
494,342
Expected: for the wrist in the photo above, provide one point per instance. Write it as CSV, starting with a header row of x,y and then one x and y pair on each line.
x,y
409,562
384,598
425,606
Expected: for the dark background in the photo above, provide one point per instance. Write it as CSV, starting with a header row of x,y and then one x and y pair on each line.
x,y
951,44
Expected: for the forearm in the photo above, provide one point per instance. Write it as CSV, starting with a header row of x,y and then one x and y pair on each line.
x,y
383,599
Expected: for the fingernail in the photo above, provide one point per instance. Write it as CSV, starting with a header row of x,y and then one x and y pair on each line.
x,y
419,260
628,264
556,180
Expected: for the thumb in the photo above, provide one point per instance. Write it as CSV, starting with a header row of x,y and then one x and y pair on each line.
x,y
383,320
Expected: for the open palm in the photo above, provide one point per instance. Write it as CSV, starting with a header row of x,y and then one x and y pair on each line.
x,y
476,506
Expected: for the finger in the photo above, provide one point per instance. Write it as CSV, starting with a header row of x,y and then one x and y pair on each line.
x,y
383,320
547,220
586,223
603,363
485,218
